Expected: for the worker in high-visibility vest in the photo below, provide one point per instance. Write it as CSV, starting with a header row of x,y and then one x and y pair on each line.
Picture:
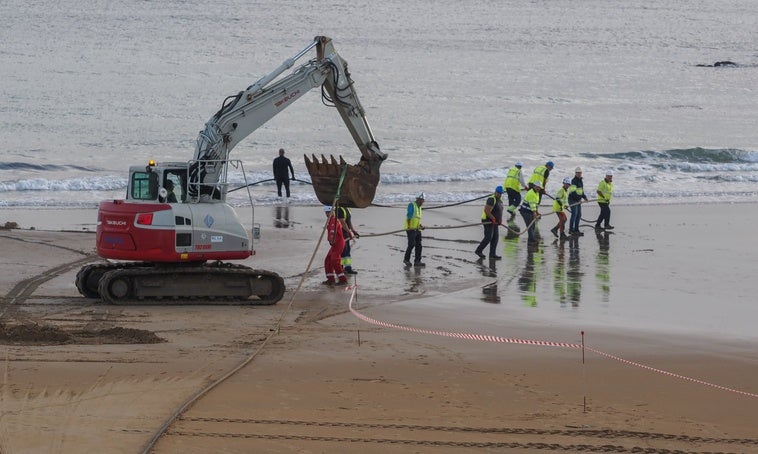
x,y
413,229
541,174
530,210
349,232
575,199
604,194
492,217
514,184
559,208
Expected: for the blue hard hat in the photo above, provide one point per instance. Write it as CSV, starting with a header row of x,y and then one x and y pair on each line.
x,y
550,164
499,190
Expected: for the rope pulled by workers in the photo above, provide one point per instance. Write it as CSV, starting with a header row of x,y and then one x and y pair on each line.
x,y
516,231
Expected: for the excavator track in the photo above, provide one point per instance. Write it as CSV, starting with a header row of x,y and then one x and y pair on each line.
x,y
145,283
88,277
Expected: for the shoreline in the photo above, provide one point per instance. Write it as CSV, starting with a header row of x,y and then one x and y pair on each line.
x,y
85,218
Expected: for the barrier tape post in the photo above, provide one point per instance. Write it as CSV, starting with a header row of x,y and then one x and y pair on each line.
x,y
584,379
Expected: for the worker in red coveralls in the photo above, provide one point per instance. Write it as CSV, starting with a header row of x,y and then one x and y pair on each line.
x,y
332,263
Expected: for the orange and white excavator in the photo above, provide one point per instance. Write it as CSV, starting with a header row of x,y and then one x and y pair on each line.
x,y
167,241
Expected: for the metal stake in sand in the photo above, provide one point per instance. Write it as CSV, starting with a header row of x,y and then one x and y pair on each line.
x,y
355,294
584,379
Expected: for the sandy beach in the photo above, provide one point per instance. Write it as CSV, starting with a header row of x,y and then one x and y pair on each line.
x,y
460,356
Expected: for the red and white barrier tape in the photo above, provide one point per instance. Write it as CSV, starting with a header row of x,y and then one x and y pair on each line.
x,y
539,343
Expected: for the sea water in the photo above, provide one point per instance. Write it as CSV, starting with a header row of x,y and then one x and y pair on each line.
x,y
456,92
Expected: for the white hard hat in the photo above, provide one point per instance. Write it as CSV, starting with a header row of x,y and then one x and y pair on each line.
x,y
518,164
578,169
609,173
537,184
567,180
420,195
327,208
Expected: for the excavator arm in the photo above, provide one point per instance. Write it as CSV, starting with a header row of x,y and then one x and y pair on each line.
x,y
240,115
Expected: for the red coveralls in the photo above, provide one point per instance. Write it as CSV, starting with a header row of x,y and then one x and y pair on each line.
x,y
332,262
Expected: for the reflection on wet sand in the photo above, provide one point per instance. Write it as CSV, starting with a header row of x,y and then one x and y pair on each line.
x,y
560,285
413,279
546,273
488,268
566,271
513,230
282,217
490,293
527,282
574,273
602,264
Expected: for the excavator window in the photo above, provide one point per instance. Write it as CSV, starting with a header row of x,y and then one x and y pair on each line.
x,y
178,179
144,186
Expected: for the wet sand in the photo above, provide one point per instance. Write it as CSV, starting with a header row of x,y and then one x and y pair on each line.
x,y
670,290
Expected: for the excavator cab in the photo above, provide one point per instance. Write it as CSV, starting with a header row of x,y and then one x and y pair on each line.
x,y
163,183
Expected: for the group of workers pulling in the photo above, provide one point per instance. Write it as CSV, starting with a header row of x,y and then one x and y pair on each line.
x,y
569,196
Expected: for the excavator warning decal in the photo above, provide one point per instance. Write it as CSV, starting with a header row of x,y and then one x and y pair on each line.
x,y
208,220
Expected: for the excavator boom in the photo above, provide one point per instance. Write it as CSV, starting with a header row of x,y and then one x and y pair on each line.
x,y
241,114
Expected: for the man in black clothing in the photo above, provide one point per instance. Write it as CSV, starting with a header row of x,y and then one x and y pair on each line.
x,y
282,170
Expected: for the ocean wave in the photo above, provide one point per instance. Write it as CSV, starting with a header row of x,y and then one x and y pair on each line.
x,y
93,183
693,156
26,166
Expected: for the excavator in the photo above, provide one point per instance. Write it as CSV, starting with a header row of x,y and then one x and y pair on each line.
x,y
169,239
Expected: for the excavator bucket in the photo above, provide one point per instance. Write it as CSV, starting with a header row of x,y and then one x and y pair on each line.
x,y
358,183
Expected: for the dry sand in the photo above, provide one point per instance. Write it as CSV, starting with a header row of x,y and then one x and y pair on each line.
x,y
671,289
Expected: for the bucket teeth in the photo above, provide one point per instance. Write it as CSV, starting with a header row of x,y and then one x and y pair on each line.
x,y
358,185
